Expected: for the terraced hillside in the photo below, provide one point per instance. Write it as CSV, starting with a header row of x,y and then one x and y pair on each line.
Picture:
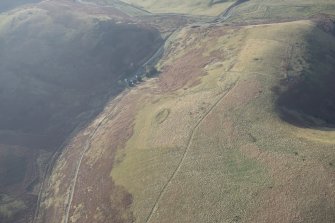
x,y
237,126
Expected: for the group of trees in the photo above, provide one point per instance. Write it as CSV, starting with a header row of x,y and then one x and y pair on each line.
x,y
149,72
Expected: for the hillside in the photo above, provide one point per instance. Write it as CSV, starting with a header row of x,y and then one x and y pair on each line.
x,y
232,159
236,126
193,7
10,4
58,69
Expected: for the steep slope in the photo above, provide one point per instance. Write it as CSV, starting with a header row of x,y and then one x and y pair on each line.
x,y
57,70
214,149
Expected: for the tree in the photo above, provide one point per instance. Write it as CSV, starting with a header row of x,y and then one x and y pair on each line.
x,y
138,78
151,72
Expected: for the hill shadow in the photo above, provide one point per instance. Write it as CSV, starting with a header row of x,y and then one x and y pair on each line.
x,y
308,100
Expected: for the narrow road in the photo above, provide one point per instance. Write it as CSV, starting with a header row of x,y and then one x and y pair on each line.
x,y
48,171
188,146
228,12
88,144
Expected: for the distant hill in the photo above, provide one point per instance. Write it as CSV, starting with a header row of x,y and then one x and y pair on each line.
x,y
10,4
195,7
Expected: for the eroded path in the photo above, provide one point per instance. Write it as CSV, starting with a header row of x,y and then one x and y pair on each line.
x,y
186,151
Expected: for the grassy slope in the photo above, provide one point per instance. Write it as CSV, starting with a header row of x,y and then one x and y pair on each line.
x,y
243,163
195,7
269,10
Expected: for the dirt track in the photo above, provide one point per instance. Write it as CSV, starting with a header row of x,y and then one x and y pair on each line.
x,y
189,143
